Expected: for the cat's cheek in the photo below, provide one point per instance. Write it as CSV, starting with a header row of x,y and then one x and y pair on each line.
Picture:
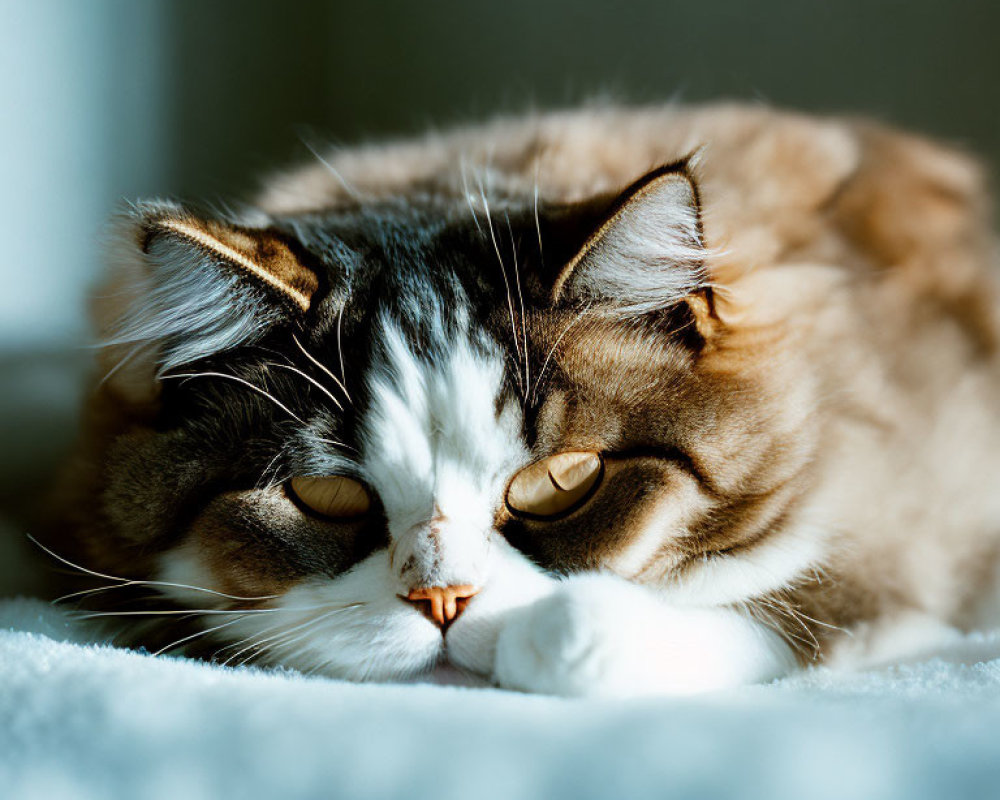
x,y
601,636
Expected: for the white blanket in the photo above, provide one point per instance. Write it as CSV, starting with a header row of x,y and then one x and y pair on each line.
x,y
81,720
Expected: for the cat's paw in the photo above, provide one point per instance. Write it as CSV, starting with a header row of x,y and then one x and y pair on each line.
x,y
602,636
570,643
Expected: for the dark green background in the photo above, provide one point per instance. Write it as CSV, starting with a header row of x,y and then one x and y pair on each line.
x,y
249,78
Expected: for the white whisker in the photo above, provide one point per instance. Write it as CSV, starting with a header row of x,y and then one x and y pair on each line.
x,y
252,636
538,223
545,363
174,612
336,443
261,482
320,365
122,362
468,196
311,380
340,349
351,190
506,281
163,584
520,299
286,641
196,635
259,643
122,582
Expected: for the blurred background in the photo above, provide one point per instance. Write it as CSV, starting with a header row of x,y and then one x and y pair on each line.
x,y
106,99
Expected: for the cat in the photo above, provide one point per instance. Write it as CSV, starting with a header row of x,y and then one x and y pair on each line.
x,y
612,401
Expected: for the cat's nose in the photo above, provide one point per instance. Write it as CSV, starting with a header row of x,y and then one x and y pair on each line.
x,y
442,604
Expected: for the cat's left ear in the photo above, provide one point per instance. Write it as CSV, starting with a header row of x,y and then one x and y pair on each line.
x,y
648,254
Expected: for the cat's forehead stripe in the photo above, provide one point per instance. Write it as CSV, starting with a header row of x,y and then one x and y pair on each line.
x,y
431,425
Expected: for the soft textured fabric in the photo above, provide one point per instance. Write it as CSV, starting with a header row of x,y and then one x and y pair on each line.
x,y
83,720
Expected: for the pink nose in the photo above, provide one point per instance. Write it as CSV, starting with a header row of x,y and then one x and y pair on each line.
x,y
442,604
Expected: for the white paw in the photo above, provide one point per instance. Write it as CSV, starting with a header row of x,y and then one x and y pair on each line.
x,y
516,584
601,636
565,644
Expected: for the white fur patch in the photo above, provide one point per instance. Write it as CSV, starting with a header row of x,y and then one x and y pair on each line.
x,y
438,455
514,583
354,627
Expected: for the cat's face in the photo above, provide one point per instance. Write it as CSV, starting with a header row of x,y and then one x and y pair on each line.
x,y
379,430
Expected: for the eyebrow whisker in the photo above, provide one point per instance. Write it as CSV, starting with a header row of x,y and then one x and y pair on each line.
x,y
545,364
311,380
520,297
468,195
350,189
247,384
339,383
506,280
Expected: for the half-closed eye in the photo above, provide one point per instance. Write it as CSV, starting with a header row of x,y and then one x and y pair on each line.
x,y
337,497
555,486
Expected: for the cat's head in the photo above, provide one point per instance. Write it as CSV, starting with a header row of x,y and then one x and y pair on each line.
x,y
367,427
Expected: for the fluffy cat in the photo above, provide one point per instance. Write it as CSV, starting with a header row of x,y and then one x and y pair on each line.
x,y
613,401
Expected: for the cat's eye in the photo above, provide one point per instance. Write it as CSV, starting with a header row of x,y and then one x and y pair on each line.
x,y
555,486
337,497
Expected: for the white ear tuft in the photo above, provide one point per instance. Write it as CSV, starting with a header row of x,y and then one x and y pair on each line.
x,y
648,255
186,288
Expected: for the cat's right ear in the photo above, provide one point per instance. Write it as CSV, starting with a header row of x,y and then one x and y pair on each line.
x,y
646,254
184,287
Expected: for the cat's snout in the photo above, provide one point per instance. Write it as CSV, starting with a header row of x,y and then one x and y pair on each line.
x,y
442,604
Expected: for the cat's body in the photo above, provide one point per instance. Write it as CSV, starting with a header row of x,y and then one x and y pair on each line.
x,y
775,372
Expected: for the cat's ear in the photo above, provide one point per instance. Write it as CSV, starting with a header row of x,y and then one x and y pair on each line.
x,y
186,287
647,254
